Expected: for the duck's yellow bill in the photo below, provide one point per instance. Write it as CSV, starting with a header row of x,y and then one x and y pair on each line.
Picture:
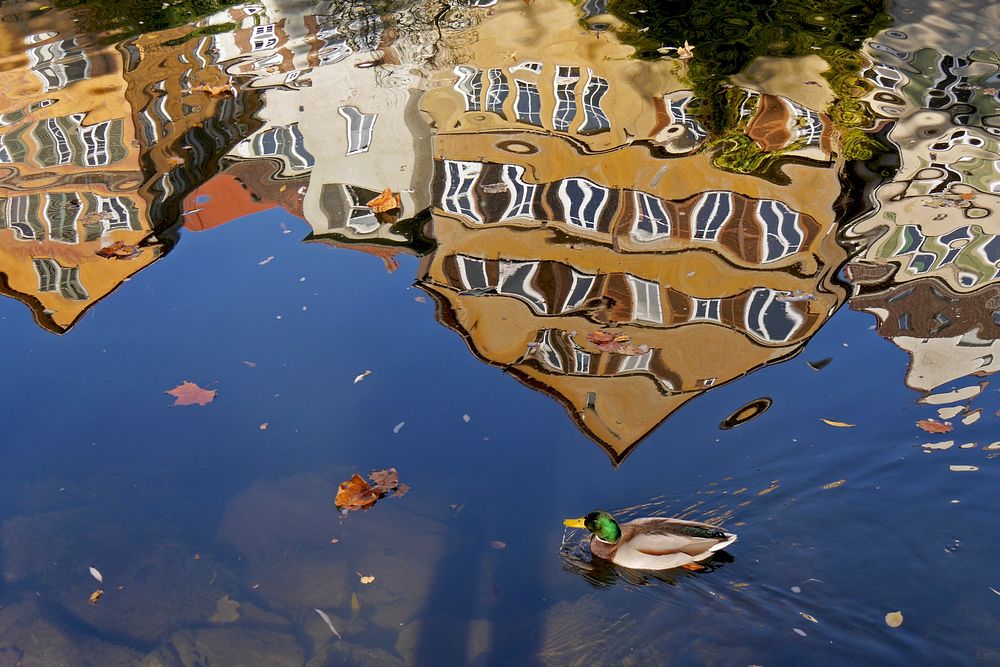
x,y
574,523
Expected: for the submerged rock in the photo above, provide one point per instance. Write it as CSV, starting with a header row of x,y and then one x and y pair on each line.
x,y
227,646
30,638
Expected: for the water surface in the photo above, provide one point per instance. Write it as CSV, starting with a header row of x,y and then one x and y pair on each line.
x,y
604,246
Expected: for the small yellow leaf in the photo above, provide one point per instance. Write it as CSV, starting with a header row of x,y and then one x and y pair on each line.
x,y
808,617
894,619
830,422
367,578
833,485
95,596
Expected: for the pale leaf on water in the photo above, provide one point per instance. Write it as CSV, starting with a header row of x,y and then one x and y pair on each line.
x,y
994,590
833,485
362,377
894,619
398,427
367,578
831,422
963,468
329,623
808,617
800,633
96,574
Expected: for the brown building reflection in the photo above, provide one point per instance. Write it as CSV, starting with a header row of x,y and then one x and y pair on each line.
x,y
587,244
98,146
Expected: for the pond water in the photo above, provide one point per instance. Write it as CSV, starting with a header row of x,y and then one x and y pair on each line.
x,y
733,263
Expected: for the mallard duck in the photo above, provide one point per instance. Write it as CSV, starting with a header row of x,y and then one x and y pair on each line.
x,y
652,543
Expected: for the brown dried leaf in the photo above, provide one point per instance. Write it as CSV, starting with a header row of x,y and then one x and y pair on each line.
x,y
213,90
387,201
384,481
355,494
95,596
932,426
189,393
119,250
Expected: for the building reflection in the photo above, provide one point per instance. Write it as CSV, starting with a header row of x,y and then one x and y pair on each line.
x,y
575,221
931,253
98,146
590,249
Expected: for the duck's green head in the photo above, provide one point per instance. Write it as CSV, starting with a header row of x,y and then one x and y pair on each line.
x,y
601,524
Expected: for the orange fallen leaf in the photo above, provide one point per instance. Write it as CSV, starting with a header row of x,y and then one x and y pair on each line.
x,y
355,494
119,250
95,596
932,426
189,393
213,90
830,422
175,161
387,201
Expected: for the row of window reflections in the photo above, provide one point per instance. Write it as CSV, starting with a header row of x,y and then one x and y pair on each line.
x,y
552,288
489,193
55,142
56,216
975,255
572,111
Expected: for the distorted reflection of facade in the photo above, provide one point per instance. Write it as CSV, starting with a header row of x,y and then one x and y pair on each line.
x,y
947,334
343,113
97,146
931,261
571,203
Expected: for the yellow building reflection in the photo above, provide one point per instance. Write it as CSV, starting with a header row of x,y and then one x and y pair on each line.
x,y
587,245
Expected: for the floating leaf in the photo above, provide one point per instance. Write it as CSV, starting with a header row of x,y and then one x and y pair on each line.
x,y
894,619
329,623
466,418
250,364
616,343
685,52
189,393
387,201
266,260
96,574
932,426
808,617
95,596
800,633
355,494
362,377
963,468
384,481
366,578
213,90
830,422
833,485
498,545
119,250
263,427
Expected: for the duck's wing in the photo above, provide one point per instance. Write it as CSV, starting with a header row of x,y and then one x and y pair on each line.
x,y
662,536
